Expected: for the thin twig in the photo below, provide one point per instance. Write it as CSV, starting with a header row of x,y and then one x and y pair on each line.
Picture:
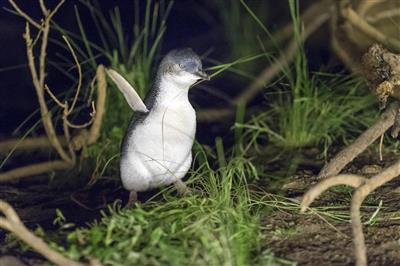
x,y
365,5
386,14
24,15
341,46
67,133
328,223
79,140
78,66
43,7
84,125
56,8
52,96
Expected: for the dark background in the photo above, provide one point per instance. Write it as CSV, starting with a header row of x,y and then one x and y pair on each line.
x,y
191,23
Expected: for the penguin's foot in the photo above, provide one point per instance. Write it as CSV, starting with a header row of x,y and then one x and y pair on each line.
x,y
132,199
182,188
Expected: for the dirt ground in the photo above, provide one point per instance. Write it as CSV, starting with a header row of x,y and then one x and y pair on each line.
x,y
308,239
316,239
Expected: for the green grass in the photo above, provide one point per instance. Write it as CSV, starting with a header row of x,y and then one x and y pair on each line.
x,y
306,110
217,226
322,111
240,29
221,223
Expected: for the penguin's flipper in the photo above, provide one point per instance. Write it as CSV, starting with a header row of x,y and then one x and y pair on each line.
x,y
128,91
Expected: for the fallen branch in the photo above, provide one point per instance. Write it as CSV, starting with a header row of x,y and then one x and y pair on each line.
x,y
350,180
29,144
344,157
35,169
12,223
363,188
380,67
358,197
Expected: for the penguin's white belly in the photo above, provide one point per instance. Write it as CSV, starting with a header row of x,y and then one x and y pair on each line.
x,y
160,148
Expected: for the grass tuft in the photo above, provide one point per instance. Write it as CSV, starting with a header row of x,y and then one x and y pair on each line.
x,y
219,227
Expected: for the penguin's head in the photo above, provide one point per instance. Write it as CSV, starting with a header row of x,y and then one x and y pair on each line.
x,y
184,66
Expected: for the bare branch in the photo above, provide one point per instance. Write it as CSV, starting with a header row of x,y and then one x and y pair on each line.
x,y
12,223
313,193
52,96
24,15
360,194
34,169
359,23
84,125
55,10
100,105
28,144
78,66
385,121
43,7
45,113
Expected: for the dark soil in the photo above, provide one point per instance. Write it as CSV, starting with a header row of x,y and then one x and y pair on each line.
x,y
309,239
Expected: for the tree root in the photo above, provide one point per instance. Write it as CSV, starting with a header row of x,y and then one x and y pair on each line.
x,y
363,188
12,223
358,197
348,154
350,180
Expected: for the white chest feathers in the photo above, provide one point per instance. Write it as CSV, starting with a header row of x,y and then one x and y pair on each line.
x,y
159,149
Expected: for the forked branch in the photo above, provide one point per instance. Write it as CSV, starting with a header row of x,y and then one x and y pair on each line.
x,y
66,145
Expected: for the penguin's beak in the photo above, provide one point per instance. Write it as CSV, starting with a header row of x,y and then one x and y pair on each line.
x,y
202,75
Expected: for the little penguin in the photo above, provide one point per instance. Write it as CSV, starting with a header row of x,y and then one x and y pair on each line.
x,y
157,147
